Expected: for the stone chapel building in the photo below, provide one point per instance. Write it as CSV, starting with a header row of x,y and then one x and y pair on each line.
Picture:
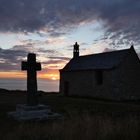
x,y
109,75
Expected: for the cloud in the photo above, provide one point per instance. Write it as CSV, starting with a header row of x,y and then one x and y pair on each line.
x,y
44,41
10,59
49,15
61,58
108,50
119,17
53,62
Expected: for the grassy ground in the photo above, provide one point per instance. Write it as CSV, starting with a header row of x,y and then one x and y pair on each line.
x,y
84,119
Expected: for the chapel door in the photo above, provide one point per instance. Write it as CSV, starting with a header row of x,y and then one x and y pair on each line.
x,y
66,88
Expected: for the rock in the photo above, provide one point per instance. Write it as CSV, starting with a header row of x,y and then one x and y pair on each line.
x,y
33,113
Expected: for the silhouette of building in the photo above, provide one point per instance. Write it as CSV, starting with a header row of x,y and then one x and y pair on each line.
x,y
110,75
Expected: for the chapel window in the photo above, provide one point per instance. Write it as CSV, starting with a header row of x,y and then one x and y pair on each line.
x,y
99,77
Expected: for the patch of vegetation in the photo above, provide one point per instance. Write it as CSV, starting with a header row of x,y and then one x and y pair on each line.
x,y
84,119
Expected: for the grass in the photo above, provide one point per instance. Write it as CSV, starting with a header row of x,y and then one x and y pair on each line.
x,y
84,119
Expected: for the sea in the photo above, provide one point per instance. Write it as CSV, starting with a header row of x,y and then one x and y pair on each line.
x,y
21,84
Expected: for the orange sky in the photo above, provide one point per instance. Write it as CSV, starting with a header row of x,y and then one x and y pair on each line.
x,y
51,75
49,71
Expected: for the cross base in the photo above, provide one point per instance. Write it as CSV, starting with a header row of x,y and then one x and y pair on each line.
x,y
33,113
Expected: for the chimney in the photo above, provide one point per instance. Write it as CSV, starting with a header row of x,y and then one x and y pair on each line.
x,y
76,50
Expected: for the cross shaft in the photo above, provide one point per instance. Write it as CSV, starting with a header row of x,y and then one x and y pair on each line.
x,y
32,67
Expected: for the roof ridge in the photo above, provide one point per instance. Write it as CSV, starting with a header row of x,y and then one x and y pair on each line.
x,y
106,52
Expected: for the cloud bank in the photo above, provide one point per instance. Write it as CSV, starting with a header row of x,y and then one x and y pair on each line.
x,y
120,17
10,59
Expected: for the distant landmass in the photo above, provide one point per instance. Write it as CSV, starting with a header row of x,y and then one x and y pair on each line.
x,y
6,91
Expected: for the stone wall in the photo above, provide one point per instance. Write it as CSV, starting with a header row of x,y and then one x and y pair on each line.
x,y
83,83
129,74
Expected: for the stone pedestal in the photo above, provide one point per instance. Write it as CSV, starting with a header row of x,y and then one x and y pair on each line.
x,y
33,113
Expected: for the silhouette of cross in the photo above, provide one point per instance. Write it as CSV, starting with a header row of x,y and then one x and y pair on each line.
x,y
32,67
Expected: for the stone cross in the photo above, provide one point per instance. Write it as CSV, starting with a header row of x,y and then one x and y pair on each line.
x,y
32,67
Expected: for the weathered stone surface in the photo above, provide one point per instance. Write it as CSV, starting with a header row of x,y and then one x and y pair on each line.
x,y
33,113
32,67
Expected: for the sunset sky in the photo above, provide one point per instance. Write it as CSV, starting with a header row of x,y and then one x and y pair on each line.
x,y
49,28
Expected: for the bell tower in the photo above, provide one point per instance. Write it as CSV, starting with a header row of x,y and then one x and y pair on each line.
x,y
76,50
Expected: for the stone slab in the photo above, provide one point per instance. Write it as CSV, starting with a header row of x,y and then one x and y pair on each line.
x,y
33,113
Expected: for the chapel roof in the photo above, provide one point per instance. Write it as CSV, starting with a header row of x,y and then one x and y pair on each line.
x,y
106,60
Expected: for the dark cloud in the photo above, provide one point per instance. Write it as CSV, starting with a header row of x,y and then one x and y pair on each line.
x,y
53,62
29,48
60,58
9,66
10,59
33,15
108,50
11,55
120,17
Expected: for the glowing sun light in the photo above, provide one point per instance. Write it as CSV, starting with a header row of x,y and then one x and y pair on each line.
x,y
54,78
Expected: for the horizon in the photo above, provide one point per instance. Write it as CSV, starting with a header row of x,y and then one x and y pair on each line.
x,y
21,84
